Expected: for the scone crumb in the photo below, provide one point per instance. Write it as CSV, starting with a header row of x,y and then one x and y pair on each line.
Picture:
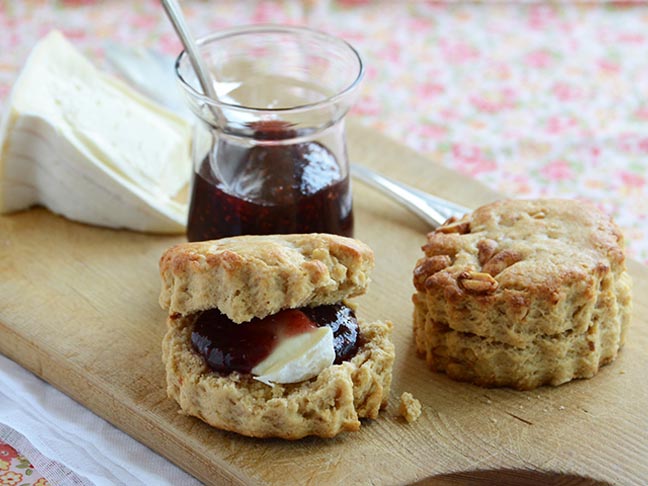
x,y
410,407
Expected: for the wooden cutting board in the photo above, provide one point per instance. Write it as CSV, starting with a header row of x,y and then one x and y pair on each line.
x,y
78,307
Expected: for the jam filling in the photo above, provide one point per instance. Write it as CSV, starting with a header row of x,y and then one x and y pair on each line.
x,y
227,346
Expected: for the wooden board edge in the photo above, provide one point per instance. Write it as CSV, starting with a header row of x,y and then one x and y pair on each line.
x,y
50,366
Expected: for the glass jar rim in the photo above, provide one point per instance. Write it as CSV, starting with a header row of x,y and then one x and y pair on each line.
x,y
269,28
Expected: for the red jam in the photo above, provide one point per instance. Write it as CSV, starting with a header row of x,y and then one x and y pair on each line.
x,y
227,346
269,189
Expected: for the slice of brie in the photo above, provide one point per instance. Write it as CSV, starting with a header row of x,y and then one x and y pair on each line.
x,y
90,148
298,358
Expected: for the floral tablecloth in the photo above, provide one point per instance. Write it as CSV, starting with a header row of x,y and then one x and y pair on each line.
x,y
531,99
16,470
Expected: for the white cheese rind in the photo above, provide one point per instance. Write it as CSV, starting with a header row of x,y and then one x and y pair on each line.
x,y
90,148
298,358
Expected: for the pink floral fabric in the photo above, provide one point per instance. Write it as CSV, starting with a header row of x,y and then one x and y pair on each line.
x,y
16,470
531,99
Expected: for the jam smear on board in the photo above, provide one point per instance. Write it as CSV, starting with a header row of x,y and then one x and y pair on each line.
x,y
227,346
269,189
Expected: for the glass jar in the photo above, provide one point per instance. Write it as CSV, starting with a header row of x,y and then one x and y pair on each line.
x,y
270,155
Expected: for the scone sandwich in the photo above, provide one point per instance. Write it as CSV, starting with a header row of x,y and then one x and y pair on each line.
x,y
522,293
261,339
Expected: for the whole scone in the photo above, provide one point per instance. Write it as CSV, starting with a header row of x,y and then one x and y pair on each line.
x,y
249,278
522,293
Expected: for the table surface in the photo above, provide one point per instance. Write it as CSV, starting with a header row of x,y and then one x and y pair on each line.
x,y
532,100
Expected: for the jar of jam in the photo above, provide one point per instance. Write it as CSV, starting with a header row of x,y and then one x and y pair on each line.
x,y
270,154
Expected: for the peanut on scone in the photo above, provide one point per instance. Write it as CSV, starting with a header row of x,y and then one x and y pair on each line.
x,y
522,293
262,341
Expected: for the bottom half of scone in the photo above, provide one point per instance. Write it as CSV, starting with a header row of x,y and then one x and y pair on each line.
x,y
324,406
541,360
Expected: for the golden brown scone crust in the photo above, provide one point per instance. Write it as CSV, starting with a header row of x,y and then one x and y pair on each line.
x,y
522,293
256,276
324,406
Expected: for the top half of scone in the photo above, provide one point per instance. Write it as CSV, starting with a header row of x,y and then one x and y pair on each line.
x,y
257,276
533,264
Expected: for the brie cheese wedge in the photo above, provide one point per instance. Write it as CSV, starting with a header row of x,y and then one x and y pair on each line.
x,y
90,148
298,358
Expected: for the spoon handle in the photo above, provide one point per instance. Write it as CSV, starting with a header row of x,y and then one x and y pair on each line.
x,y
432,210
174,14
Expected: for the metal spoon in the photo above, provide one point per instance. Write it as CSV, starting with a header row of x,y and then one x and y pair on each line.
x,y
433,210
179,23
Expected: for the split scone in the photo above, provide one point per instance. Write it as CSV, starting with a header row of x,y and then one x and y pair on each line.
x,y
522,293
262,341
